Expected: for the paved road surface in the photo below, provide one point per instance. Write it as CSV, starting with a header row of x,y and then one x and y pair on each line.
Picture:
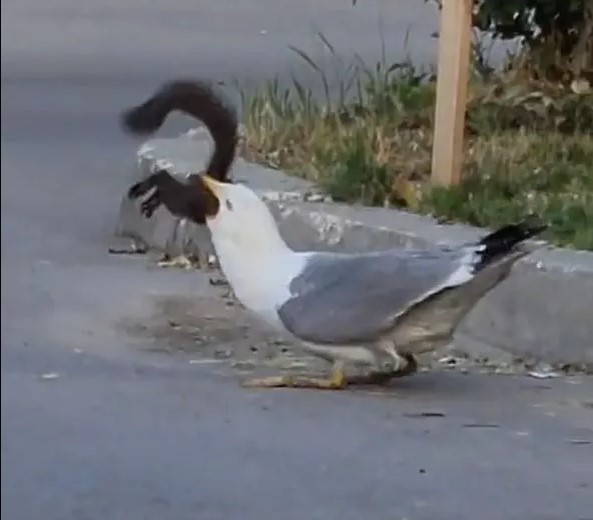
x,y
122,434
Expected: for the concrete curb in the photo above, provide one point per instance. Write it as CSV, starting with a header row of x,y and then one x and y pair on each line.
x,y
543,311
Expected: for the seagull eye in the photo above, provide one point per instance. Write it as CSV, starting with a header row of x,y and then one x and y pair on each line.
x,y
228,204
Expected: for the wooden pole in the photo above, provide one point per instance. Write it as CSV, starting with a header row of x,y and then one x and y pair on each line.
x,y
451,95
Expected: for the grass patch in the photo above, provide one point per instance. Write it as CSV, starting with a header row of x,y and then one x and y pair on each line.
x,y
528,147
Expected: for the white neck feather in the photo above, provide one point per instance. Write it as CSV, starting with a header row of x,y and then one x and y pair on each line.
x,y
260,274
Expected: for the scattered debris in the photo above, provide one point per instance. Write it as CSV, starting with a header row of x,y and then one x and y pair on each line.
x,y
543,374
223,353
480,425
212,261
317,197
576,368
450,360
580,441
218,281
424,414
50,376
134,248
181,261
217,327
244,365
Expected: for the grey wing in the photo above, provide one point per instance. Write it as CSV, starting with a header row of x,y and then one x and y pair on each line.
x,y
342,299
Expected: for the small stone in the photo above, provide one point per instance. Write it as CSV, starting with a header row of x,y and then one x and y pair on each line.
x,y
449,360
217,281
543,371
243,364
50,376
424,414
222,353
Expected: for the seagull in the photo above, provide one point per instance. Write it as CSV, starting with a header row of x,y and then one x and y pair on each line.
x,y
379,308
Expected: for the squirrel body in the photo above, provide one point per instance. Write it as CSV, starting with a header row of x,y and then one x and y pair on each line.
x,y
190,200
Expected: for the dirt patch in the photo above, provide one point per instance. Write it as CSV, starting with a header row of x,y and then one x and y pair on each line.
x,y
215,327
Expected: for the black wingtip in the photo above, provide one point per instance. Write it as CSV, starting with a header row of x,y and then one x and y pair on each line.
x,y
502,241
508,236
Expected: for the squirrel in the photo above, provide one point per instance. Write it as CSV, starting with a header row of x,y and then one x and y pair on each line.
x,y
190,200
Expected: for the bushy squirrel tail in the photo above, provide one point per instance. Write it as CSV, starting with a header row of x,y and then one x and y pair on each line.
x,y
195,98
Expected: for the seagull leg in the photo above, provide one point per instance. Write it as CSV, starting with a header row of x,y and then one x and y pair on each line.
x,y
336,381
409,368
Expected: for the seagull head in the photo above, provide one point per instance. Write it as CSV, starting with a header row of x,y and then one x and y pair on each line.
x,y
239,217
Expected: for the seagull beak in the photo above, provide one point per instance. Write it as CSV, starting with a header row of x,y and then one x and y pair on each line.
x,y
211,195
212,184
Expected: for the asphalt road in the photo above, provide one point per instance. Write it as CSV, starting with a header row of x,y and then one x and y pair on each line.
x,y
94,427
